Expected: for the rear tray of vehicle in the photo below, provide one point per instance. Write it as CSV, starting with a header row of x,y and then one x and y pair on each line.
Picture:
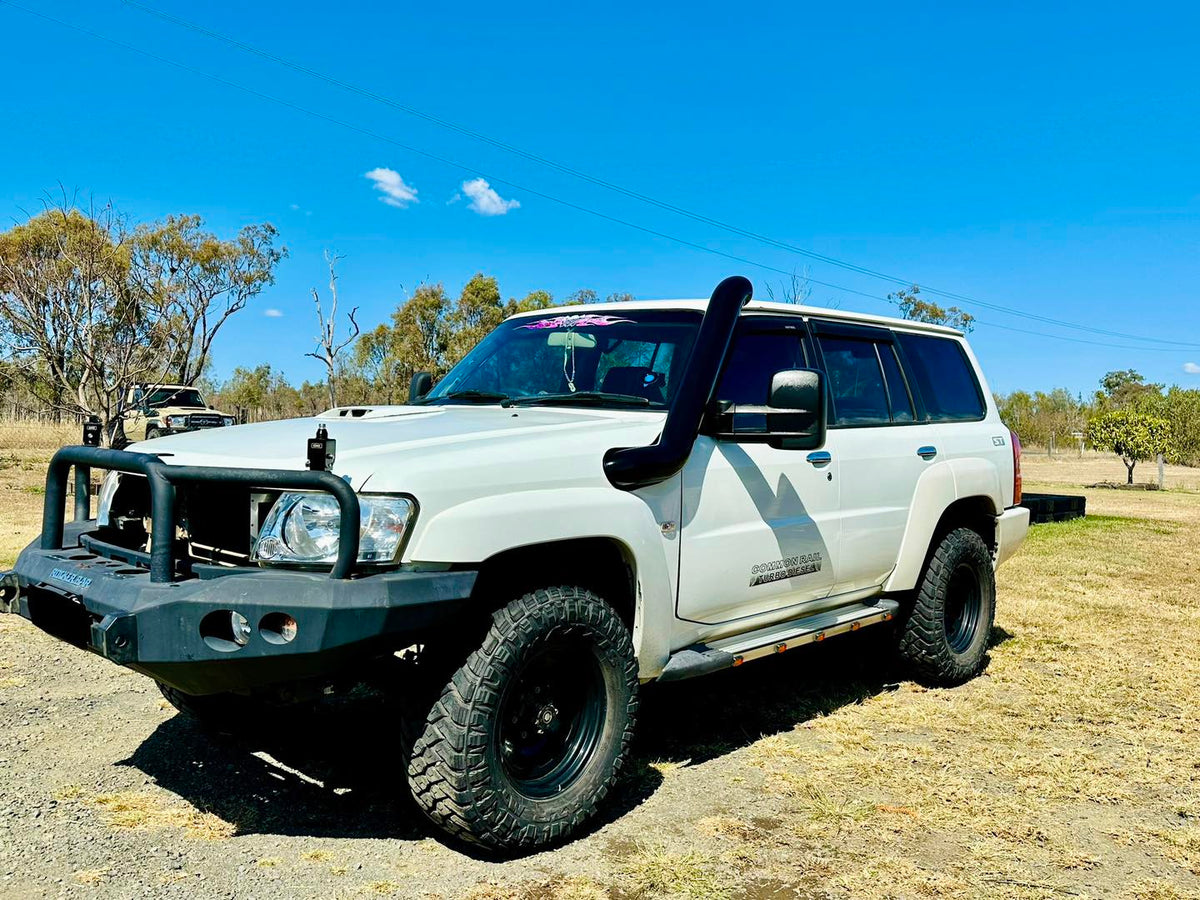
x,y
1045,508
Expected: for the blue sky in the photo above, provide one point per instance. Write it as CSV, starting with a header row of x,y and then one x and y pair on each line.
x,y
1037,156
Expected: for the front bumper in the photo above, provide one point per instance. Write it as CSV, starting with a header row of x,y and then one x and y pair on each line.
x,y
112,608
164,431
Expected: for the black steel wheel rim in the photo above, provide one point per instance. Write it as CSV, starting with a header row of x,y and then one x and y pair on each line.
x,y
964,607
551,717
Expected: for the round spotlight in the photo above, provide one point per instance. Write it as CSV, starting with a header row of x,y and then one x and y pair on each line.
x,y
240,628
225,630
278,628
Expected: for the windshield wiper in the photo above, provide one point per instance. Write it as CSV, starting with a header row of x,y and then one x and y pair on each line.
x,y
473,396
587,397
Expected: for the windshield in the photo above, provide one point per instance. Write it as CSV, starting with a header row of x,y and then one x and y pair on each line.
x,y
632,359
173,397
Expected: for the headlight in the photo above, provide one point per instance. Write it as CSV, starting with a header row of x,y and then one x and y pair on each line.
x,y
108,490
302,529
228,420
176,421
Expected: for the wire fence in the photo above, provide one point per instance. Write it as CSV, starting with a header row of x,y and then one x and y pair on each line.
x,y
37,436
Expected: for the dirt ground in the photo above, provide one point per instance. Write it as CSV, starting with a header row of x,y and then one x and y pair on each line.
x,y
1070,768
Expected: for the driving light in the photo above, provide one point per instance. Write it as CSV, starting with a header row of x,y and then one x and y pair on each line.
x,y
108,490
302,529
176,421
239,628
228,420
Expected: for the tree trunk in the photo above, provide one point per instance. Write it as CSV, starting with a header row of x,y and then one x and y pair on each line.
x,y
1129,466
332,383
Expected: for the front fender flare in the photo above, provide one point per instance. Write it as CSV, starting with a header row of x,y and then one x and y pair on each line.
x,y
479,529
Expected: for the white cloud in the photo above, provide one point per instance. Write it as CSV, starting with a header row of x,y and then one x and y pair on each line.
x,y
273,313
486,201
391,185
294,207
1191,368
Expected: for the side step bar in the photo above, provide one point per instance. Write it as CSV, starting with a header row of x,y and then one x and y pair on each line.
x,y
701,659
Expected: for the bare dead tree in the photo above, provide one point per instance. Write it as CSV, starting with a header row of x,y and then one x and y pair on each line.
x,y
796,290
329,349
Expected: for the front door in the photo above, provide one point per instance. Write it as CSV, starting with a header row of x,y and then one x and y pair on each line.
x,y
760,523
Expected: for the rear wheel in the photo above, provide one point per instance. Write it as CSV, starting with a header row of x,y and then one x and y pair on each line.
x,y
945,636
533,729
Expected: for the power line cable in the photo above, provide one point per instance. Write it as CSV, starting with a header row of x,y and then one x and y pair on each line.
x,y
620,189
514,185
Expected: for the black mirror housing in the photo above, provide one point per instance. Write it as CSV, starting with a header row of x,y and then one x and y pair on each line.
x,y
796,389
796,409
419,386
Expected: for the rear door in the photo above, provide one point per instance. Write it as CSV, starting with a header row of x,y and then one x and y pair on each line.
x,y
760,522
882,448
945,376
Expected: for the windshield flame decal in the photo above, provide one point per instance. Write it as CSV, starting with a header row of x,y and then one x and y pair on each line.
x,y
580,321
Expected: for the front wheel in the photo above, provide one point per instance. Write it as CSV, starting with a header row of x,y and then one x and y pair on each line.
x,y
945,636
152,433
534,728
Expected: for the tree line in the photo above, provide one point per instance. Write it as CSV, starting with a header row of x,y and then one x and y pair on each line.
x,y
1127,415
92,303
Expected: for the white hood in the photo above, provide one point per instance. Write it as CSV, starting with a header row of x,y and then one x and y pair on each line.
x,y
438,449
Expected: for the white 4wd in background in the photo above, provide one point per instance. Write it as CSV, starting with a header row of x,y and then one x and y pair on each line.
x,y
594,498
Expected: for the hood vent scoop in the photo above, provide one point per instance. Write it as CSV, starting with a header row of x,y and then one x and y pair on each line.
x,y
366,412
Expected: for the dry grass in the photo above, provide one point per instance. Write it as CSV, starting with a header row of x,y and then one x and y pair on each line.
x,y
25,449
662,873
144,810
1068,467
1074,761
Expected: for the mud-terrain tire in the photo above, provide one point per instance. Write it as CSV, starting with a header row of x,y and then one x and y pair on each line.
x,y
230,714
152,433
533,730
944,637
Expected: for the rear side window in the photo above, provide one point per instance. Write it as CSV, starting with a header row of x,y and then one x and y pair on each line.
x,y
855,382
944,377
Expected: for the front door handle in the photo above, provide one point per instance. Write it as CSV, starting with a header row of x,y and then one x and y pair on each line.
x,y
927,453
820,458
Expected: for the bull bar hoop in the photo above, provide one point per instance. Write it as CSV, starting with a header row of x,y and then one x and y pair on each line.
x,y
163,479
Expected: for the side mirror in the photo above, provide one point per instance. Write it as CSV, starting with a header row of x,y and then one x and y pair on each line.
x,y
419,386
793,419
796,409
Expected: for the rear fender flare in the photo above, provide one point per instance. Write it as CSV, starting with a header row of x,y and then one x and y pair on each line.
x,y
940,486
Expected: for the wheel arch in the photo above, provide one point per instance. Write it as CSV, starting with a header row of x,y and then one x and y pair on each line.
x,y
542,529
601,564
956,494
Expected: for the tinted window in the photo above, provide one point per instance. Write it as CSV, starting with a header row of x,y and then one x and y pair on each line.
x,y
753,359
855,382
902,407
944,377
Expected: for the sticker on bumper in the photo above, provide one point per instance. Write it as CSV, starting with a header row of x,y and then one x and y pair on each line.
x,y
72,578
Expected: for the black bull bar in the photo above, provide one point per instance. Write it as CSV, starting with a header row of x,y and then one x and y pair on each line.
x,y
162,479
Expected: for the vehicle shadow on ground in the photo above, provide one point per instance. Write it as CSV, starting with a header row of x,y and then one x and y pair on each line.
x,y
338,770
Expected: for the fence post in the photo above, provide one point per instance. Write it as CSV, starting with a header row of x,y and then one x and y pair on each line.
x,y
1160,471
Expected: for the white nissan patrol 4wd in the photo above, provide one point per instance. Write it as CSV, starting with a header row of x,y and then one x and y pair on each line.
x,y
594,498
